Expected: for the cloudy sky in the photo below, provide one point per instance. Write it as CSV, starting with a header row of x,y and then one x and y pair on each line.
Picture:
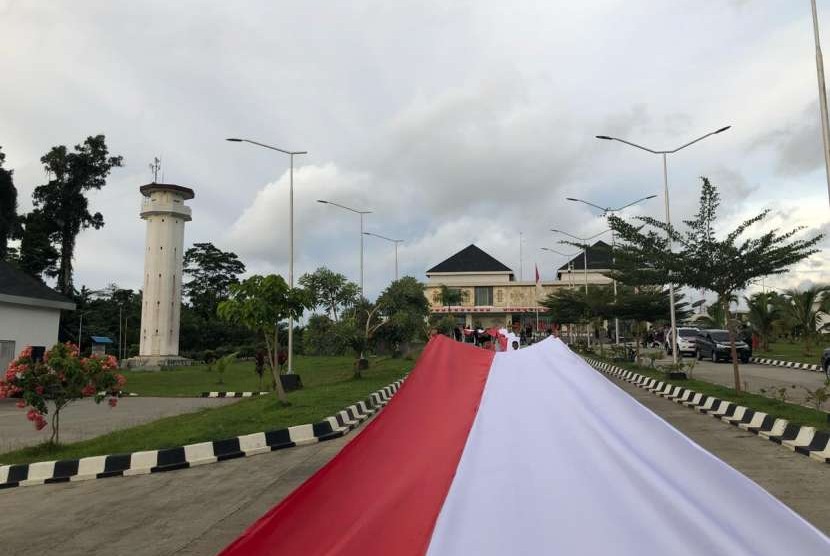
x,y
454,122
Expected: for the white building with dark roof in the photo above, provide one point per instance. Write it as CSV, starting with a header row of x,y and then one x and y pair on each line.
x,y
491,295
30,313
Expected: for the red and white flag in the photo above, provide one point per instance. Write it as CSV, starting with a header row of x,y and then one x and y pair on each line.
x,y
524,452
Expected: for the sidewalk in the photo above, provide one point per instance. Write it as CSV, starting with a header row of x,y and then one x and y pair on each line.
x,y
801,483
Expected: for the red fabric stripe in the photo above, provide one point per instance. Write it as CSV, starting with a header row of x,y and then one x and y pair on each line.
x,y
382,493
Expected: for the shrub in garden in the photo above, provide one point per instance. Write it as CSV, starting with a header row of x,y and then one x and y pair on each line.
x,y
62,377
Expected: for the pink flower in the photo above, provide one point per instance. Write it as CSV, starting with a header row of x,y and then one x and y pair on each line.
x,y
39,390
33,415
21,404
113,402
26,352
89,390
121,380
40,423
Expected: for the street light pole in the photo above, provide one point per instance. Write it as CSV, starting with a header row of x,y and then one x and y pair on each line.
x,y
290,239
389,239
668,217
605,211
361,213
822,97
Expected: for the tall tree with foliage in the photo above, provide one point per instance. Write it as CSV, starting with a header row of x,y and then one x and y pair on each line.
x,y
38,255
451,297
649,304
63,201
724,265
804,309
764,311
9,222
259,303
405,309
212,272
330,290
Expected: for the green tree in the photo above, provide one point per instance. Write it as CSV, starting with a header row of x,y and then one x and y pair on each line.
x,y
63,199
452,297
259,303
357,330
212,272
647,305
405,309
9,221
320,337
567,306
724,266
330,290
38,255
764,311
804,309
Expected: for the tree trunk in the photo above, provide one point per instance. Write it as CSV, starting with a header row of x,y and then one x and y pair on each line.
x,y
734,351
275,373
56,422
65,272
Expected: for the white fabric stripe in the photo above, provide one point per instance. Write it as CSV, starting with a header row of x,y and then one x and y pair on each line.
x,y
561,461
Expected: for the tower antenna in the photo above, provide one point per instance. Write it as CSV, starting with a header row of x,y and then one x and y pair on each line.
x,y
155,167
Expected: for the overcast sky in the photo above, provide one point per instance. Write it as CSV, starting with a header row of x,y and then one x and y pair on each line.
x,y
454,122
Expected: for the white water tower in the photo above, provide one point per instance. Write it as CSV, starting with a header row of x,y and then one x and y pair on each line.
x,y
165,212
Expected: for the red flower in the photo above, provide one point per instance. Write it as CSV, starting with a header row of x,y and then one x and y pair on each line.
x,y
40,423
33,415
89,390
121,380
113,402
39,390
21,404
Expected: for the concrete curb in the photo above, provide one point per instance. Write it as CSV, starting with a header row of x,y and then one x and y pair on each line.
x,y
800,439
181,457
787,364
232,394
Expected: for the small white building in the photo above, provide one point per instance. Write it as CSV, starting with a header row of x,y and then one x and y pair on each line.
x,y
30,313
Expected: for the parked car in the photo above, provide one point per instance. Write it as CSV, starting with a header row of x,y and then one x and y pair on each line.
x,y
686,341
825,362
714,345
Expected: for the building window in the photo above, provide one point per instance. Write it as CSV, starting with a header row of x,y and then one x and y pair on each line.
x,y
499,296
484,295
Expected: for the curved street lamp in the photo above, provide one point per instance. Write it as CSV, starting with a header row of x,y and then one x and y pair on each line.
x,y
395,241
668,217
290,237
361,213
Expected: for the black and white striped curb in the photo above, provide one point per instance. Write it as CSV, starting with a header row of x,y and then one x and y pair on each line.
x,y
804,440
181,457
787,364
232,394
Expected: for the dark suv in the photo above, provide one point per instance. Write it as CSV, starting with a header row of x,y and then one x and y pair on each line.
x,y
825,362
714,345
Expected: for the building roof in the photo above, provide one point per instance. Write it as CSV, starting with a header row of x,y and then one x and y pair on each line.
x,y
101,340
470,259
599,258
185,192
18,287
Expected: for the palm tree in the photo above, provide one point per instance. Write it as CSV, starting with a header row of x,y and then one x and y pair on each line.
x,y
452,296
805,308
764,311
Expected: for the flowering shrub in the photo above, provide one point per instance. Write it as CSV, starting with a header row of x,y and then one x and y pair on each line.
x,y
61,378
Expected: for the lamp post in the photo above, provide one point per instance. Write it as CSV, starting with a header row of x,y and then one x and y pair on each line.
x,y
361,213
668,217
395,241
548,249
822,97
605,211
290,239
584,241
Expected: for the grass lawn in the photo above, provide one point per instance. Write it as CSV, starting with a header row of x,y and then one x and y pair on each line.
x,y
238,377
329,387
794,413
794,352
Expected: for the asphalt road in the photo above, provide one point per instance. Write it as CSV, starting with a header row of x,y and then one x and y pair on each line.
x,y
199,511
754,377
84,419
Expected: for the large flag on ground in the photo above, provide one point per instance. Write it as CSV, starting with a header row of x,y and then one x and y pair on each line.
x,y
524,452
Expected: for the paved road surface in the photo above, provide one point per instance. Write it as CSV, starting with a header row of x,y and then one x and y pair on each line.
x,y
199,511
759,376
84,419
